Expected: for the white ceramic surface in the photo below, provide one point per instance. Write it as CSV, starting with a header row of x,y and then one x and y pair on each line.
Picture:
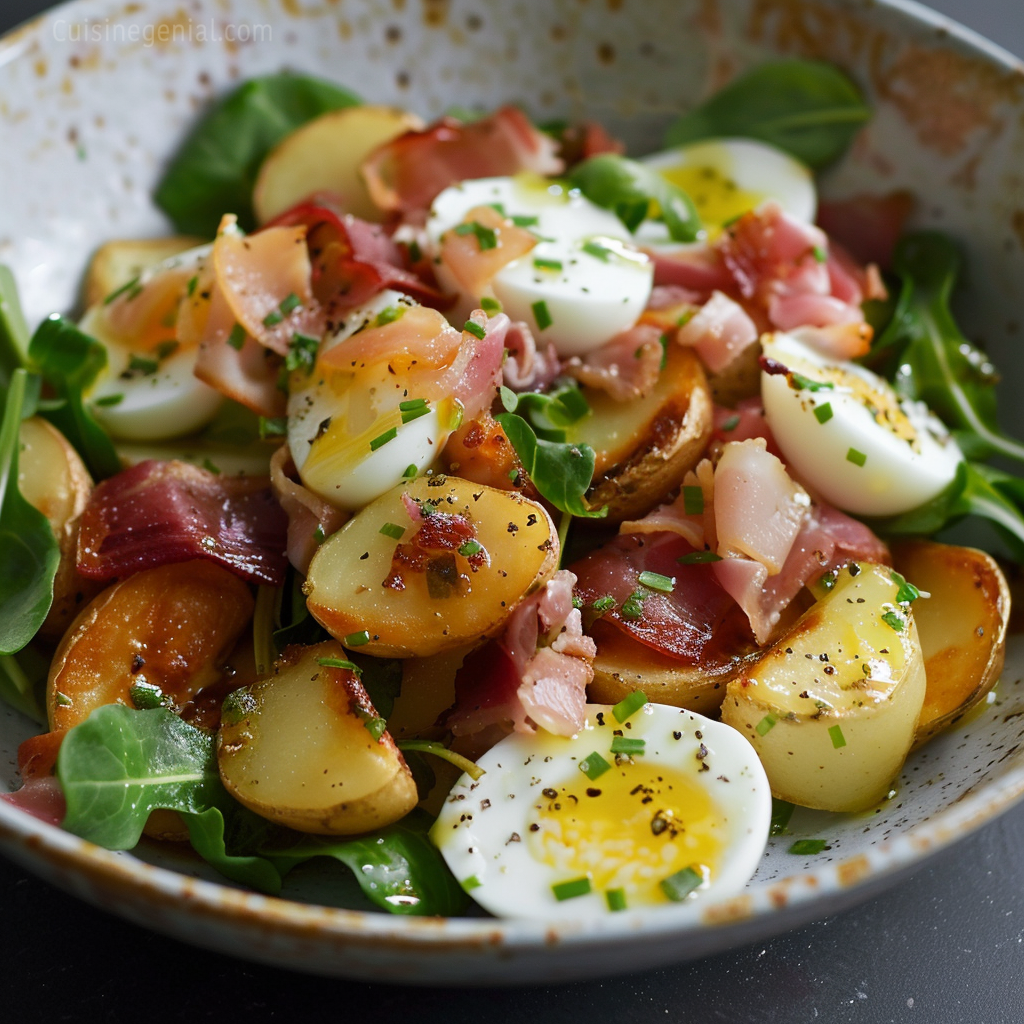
x,y
95,96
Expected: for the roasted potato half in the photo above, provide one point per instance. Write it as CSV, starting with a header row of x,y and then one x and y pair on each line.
x,y
832,708
962,627
53,479
645,447
305,748
395,599
120,260
324,155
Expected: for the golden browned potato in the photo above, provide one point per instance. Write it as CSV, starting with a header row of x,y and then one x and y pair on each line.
x,y
396,598
324,155
53,479
623,665
121,260
962,627
305,748
166,631
645,447
428,691
831,709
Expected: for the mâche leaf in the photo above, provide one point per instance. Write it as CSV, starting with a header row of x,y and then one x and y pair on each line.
x,y
634,193
809,109
215,170
29,553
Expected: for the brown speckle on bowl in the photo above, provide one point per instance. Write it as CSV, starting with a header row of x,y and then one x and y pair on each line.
x,y
605,53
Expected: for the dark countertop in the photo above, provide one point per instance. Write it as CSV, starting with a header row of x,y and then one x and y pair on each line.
x,y
944,947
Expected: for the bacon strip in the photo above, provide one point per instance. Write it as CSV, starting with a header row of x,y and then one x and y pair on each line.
x,y
156,513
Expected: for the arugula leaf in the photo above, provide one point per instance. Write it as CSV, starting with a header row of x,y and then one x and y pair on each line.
x,y
549,413
560,472
930,360
398,867
215,170
629,189
69,361
206,832
14,333
810,109
29,553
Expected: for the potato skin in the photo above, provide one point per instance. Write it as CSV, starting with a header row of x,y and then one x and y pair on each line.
x,y
962,626
347,593
296,749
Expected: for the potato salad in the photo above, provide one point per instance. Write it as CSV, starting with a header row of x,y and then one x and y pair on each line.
x,y
519,522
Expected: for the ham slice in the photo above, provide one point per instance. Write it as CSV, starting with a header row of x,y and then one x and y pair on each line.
x,y
626,367
156,513
719,331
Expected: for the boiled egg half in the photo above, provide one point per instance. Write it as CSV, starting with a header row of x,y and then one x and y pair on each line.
x,y
580,285
849,436
652,807
727,177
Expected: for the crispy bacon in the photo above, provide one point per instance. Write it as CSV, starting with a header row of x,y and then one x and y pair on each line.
x,y
403,176
156,513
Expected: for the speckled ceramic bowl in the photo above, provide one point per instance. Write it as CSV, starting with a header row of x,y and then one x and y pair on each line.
x,y
95,96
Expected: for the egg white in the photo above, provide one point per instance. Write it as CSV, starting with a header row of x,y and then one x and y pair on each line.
x,y
591,298
869,452
727,177
487,830
168,403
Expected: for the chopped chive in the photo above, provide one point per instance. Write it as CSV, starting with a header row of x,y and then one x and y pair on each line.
x,y
541,315
543,264
318,534
616,899
522,220
486,237
470,548
273,318
907,592
828,581
693,501
471,883
62,699
343,663
393,530
211,466
410,472
490,306
894,620
236,339
604,604
290,303
382,439
132,285
140,364
627,745
273,426
238,704
766,725
629,705
374,725
146,695
798,382
663,342
678,886
191,286
782,811
356,639
415,252
166,349
302,352
570,890
698,557
633,607
731,423
823,412
413,409
498,207
109,400
835,734
477,330
597,250
388,315
820,254
655,581
594,765
856,457
805,847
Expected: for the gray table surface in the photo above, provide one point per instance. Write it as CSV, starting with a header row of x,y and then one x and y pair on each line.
x,y
945,947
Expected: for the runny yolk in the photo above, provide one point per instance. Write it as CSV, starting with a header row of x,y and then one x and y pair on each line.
x,y
715,193
631,828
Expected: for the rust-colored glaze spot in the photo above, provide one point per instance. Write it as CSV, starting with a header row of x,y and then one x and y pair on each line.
x,y
614,5
851,872
605,53
737,909
559,33
40,67
778,896
1017,223
344,29
435,12
802,26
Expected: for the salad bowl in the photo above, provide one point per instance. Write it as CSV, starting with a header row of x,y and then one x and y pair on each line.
x,y
96,96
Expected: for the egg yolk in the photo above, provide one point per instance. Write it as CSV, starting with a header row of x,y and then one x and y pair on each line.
x,y
630,829
715,193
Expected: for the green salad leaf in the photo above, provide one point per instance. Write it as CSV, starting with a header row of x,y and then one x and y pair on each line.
x,y
69,360
635,193
216,168
809,109
29,553
14,333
